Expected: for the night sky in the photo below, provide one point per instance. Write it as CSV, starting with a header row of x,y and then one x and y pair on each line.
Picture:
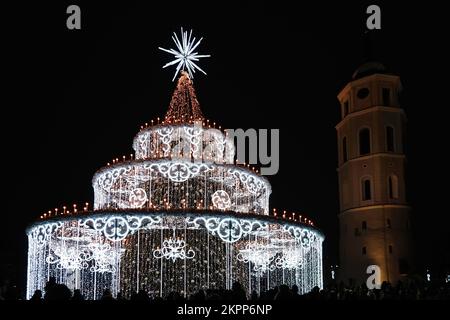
x,y
75,99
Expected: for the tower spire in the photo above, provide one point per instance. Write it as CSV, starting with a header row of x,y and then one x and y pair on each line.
x,y
367,50
184,106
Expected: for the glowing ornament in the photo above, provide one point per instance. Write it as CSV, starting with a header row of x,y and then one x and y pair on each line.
x,y
185,57
174,248
138,197
221,200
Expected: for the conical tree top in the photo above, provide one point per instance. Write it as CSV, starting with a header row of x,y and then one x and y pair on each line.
x,y
184,106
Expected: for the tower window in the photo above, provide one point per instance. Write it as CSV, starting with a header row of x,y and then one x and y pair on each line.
x,y
362,93
344,149
366,190
364,251
364,141
390,249
390,139
345,109
364,225
356,232
386,93
388,223
393,187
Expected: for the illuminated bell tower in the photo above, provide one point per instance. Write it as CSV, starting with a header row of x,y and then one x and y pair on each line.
x,y
374,215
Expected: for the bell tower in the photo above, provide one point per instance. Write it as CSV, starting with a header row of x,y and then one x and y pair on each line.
x,y
374,215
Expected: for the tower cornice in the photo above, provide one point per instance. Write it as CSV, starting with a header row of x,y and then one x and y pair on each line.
x,y
375,207
371,78
369,110
372,155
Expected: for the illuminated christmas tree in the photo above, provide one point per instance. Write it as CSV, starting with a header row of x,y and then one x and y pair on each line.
x,y
180,216
184,106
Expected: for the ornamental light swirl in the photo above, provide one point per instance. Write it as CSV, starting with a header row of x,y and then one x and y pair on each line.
x,y
174,248
178,215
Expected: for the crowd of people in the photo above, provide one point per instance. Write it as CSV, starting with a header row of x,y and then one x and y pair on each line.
x,y
411,290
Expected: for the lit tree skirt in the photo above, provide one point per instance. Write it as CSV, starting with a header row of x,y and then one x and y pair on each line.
x,y
172,251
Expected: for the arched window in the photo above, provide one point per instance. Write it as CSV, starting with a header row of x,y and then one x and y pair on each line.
x,y
366,189
344,149
364,141
393,187
390,145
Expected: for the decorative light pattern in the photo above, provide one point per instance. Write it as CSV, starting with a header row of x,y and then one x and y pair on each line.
x,y
67,258
174,248
260,255
117,227
104,257
228,229
189,141
290,259
138,197
221,200
184,55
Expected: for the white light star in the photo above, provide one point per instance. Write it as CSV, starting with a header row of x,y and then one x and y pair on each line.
x,y
185,56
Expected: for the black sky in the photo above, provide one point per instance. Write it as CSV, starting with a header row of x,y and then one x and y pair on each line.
x,y
75,99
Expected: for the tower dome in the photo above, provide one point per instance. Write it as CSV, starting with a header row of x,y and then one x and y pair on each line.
x,y
369,68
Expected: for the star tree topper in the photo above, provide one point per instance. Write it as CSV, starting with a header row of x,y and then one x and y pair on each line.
x,y
185,57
